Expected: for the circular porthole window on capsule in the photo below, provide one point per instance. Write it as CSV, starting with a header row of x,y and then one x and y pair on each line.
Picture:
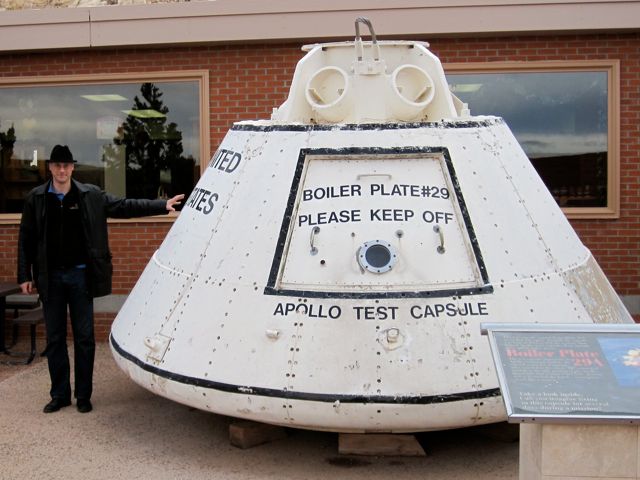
x,y
377,256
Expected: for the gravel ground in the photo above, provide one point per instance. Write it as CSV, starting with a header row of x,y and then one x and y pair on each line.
x,y
134,434
7,371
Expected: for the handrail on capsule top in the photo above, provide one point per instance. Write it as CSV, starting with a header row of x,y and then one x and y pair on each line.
x,y
358,40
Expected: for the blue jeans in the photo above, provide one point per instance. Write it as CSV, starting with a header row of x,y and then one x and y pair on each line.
x,y
68,287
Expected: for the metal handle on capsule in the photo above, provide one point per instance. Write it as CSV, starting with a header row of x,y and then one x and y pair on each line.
x,y
314,232
358,41
438,230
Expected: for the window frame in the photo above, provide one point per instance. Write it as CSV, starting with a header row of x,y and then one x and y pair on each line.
x,y
612,68
200,76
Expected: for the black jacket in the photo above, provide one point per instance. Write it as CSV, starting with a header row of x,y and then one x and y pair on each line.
x,y
95,207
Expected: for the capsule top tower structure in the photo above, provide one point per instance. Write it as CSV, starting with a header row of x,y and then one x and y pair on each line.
x,y
357,82
332,266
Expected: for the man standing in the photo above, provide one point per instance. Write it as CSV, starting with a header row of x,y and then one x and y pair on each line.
x,y
63,249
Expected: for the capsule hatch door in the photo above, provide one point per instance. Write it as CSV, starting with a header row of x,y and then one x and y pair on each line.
x,y
376,221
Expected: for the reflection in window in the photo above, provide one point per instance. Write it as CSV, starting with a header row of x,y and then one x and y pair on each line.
x,y
559,118
131,139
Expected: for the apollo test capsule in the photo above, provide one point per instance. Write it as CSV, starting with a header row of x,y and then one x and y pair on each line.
x,y
332,267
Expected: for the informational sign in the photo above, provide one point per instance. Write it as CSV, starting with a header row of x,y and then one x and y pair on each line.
x,y
567,372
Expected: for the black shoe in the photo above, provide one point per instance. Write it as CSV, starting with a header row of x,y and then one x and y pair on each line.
x,y
84,405
56,404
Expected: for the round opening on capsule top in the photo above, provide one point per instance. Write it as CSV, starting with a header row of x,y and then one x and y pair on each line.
x,y
377,256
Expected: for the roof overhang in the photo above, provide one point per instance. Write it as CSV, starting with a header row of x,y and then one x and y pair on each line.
x,y
233,21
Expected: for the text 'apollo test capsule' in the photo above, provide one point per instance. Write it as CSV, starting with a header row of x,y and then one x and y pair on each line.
x,y
332,267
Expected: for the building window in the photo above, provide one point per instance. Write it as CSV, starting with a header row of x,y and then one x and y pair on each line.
x,y
565,117
131,136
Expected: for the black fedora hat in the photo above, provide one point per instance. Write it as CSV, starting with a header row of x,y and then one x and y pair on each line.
x,y
61,154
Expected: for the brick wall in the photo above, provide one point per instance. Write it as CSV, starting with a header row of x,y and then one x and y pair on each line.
x,y
132,245
247,82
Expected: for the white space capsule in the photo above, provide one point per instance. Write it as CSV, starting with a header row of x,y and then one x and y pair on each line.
x,y
332,266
